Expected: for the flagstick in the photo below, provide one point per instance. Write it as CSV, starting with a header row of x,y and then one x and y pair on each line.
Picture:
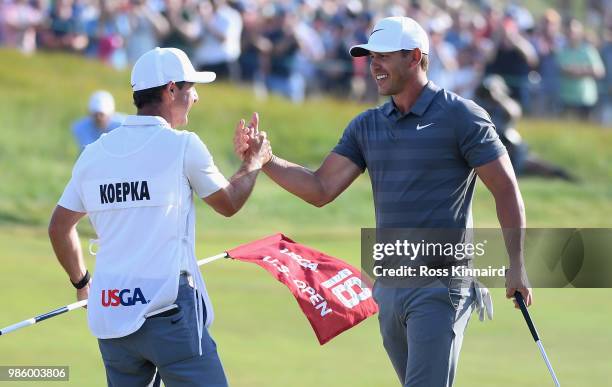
x,y
78,304
213,258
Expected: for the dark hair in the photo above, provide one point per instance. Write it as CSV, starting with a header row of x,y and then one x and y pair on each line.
x,y
152,95
424,59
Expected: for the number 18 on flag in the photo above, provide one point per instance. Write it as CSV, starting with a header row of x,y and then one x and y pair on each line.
x,y
329,291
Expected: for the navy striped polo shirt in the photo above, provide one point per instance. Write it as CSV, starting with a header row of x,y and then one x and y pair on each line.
x,y
421,163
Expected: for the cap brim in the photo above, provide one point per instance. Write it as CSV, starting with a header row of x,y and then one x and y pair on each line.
x,y
202,77
365,49
103,111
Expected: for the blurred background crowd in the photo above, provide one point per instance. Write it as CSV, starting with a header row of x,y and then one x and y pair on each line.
x,y
552,63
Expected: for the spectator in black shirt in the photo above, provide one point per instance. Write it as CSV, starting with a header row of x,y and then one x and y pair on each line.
x,y
513,59
278,60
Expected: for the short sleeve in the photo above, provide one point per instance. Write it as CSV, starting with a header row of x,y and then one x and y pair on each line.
x,y
71,199
200,169
348,146
478,140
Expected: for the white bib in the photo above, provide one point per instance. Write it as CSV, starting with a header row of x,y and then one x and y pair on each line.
x,y
135,202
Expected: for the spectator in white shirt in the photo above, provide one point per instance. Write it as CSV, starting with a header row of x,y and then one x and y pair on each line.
x,y
219,46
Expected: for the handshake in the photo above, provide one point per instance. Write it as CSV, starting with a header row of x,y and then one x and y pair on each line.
x,y
251,145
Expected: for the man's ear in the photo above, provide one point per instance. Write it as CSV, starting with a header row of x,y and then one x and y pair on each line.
x,y
171,89
417,56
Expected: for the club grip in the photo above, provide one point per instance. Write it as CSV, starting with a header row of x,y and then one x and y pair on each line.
x,y
521,303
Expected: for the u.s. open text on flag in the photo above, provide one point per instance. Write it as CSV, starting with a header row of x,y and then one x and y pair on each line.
x,y
329,291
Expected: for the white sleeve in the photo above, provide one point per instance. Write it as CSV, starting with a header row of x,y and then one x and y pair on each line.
x,y
71,199
223,24
200,169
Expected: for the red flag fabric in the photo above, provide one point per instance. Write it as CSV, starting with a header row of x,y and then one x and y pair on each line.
x,y
329,291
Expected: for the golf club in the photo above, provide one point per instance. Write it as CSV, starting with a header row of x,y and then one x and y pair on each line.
x,y
521,303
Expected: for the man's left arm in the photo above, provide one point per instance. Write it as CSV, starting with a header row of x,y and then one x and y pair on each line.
x,y
482,149
498,175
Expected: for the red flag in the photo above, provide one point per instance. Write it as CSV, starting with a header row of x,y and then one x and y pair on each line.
x,y
329,291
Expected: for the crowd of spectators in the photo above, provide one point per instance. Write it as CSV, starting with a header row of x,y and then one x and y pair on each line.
x,y
551,63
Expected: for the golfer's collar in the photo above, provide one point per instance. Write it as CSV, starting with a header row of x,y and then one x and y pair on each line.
x,y
145,121
427,95
420,106
389,107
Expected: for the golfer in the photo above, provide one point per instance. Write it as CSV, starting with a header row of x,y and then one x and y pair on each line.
x,y
135,184
423,149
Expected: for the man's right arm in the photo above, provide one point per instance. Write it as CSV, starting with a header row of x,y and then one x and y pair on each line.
x,y
229,200
339,169
315,187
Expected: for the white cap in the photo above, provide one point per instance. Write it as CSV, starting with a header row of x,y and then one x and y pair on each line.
x,y
162,65
101,102
394,34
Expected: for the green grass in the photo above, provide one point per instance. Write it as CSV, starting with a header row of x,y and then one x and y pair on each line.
x,y
265,341
263,338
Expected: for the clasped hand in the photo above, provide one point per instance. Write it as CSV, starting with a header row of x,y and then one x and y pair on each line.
x,y
250,144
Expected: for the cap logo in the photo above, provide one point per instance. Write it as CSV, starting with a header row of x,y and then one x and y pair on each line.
x,y
380,29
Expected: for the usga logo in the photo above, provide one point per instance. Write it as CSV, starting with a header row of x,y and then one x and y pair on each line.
x,y
115,297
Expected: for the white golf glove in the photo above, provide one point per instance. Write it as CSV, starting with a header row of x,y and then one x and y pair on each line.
x,y
484,303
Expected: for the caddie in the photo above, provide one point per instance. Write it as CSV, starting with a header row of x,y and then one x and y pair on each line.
x,y
135,184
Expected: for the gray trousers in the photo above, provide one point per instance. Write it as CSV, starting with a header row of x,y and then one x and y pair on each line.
x,y
168,344
422,330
